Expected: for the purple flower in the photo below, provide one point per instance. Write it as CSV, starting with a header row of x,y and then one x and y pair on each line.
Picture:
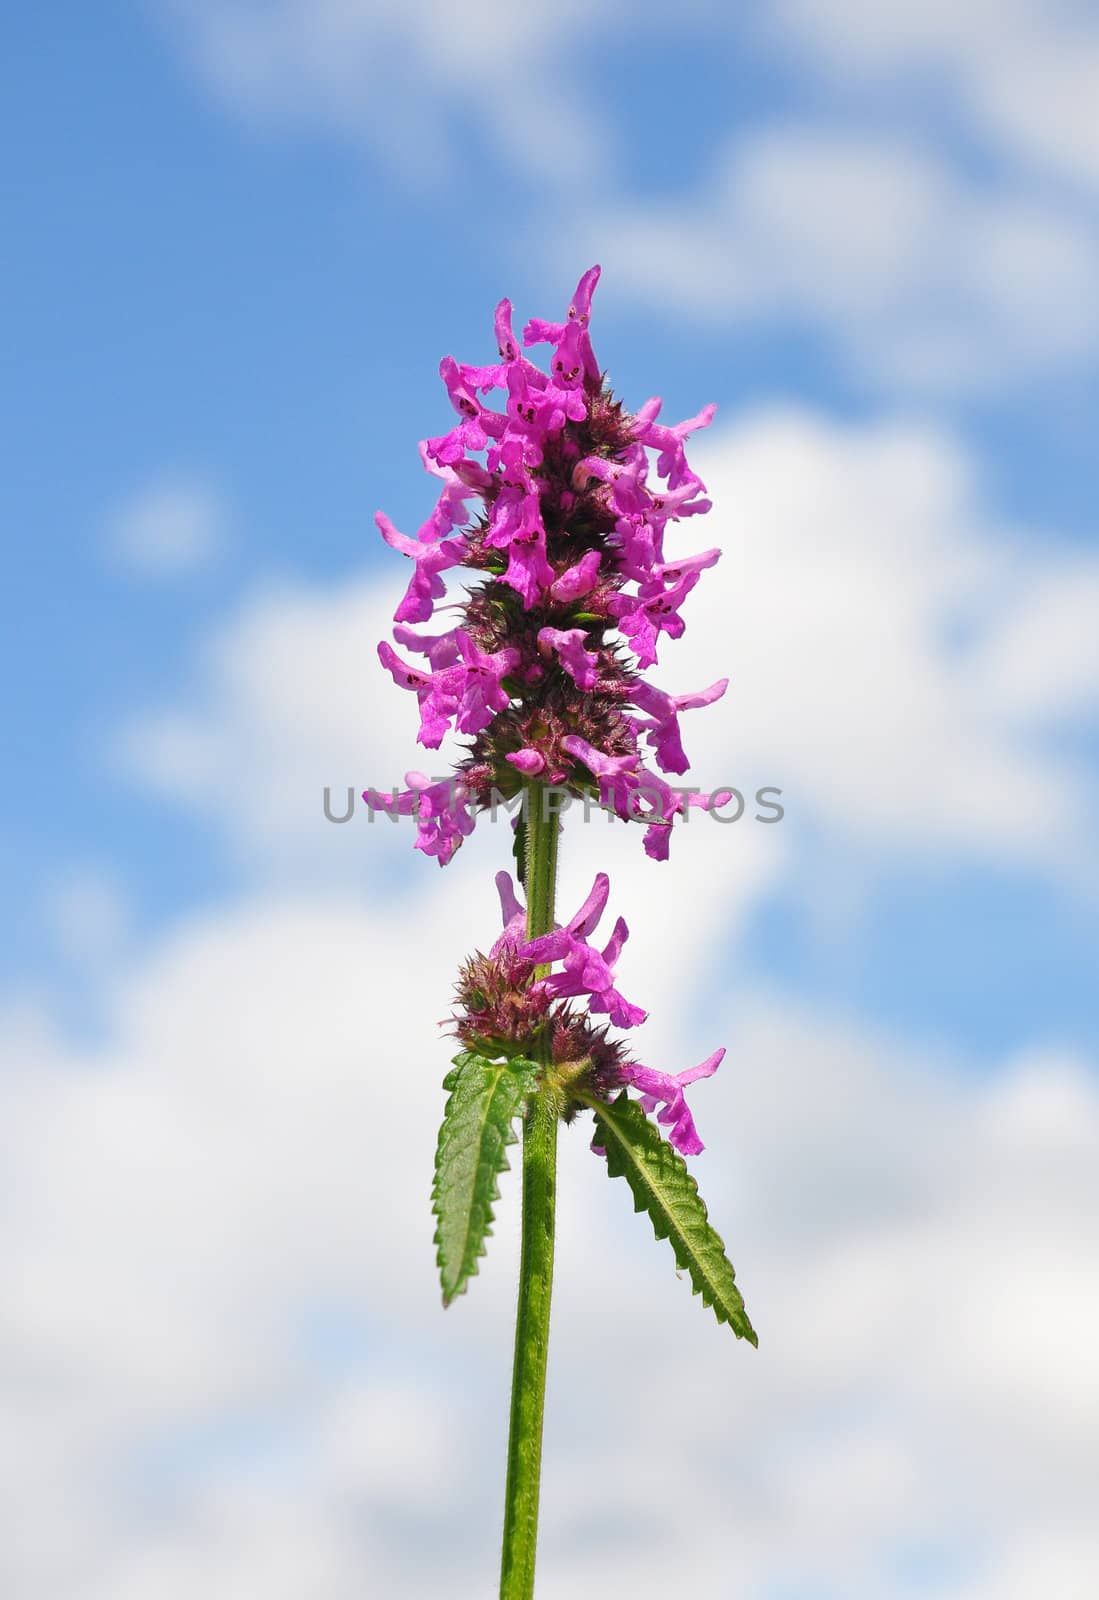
x,y
586,971
465,689
640,535
662,731
636,794
539,408
577,497
426,586
528,571
441,649
666,1089
577,580
506,342
441,811
573,358
478,679
478,426
589,972
672,461
610,770
581,665
463,480
438,703
655,608
514,916
529,761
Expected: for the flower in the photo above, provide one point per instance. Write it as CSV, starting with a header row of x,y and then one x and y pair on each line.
x,y
425,585
578,580
528,761
505,997
672,461
574,358
441,810
586,971
654,610
662,730
437,706
514,914
465,689
666,1089
636,794
570,587
581,665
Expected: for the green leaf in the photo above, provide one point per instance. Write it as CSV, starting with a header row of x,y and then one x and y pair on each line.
x,y
661,1184
485,1097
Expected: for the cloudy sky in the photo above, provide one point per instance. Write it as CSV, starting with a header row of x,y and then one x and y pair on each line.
x,y
240,235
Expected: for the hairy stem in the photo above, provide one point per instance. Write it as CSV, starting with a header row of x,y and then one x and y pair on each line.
x,y
528,1385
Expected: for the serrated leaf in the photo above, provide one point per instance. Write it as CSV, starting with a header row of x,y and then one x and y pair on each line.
x,y
484,1099
663,1187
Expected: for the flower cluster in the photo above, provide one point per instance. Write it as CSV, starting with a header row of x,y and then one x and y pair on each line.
x,y
542,672
504,1006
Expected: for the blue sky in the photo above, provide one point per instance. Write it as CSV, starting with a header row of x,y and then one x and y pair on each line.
x,y
239,239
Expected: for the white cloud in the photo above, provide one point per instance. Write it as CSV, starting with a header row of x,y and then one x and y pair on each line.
x,y
867,608
251,1152
290,698
1024,72
219,1219
418,84
227,1356
88,912
921,269
895,660
170,527
413,84
1041,657
917,277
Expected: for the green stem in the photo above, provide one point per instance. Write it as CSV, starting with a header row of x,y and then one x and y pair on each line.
x,y
528,1385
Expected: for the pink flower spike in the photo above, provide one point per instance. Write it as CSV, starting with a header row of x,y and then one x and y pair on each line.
x,y
572,498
